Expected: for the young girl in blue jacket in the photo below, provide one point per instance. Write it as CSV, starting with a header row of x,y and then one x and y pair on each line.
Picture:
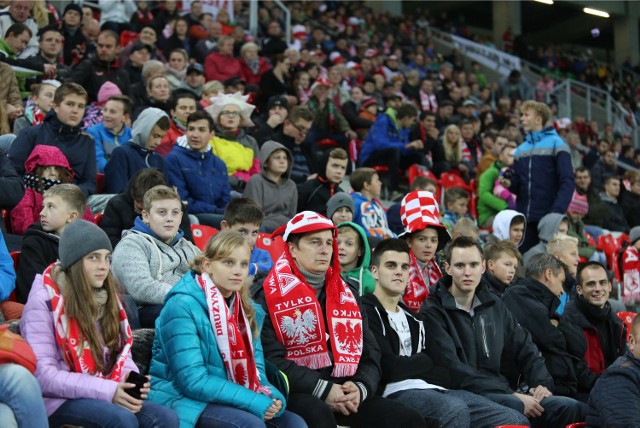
x,y
207,361
78,330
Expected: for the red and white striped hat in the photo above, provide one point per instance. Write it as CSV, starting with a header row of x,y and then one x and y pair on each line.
x,y
418,211
304,222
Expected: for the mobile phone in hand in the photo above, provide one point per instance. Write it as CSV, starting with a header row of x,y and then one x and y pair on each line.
x,y
139,381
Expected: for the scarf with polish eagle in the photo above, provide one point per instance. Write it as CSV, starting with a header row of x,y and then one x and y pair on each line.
x,y
76,352
296,313
418,288
232,331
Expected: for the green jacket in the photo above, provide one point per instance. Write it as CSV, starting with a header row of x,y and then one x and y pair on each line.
x,y
360,277
7,50
488,203
577,230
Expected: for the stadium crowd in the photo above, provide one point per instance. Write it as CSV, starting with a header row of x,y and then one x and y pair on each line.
x,y
207,228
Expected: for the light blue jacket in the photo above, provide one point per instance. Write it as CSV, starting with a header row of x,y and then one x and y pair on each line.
x,y
187,369
7,273
106,141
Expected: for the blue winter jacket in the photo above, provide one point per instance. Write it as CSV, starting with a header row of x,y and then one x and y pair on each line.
x,y
7,273
106,141
543,179
201,178
260,261
384,134
187,369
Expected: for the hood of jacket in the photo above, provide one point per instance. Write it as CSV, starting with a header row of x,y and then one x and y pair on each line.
x,y
364,261
267,150
37,230
548,226
144,124
46,156
536,136
141,226
502,224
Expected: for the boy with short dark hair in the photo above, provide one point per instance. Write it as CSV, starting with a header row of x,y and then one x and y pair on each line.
x,y
113,130
456,203
369,212
314,194
139,152
502,259
181,104
244,215
62,204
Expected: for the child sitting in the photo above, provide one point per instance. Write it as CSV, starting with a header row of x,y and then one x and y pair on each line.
x,y
62,204
314,193
369,212
112,130
425,236
139,152
42,97
456,203
272,189
45,167
244,215
393,213
466,227
153,256
355,255
340,208
502,259
509,225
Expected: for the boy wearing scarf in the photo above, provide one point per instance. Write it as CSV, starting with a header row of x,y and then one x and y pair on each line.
x,y
318,336
426,236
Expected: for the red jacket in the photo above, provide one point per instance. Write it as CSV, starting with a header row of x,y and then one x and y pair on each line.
x,y
166,145
219,67
249,76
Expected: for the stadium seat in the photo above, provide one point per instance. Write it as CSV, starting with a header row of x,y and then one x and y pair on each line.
x,y
627,318
274,245
608,245
97,219
6,217
326,144
577,425
448,180
202,234
15,256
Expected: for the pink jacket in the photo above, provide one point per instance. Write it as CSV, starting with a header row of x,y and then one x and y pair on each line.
x,y
28,209
56,379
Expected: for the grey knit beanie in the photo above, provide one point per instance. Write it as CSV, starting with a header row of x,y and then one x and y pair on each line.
x,y
80,238
339,200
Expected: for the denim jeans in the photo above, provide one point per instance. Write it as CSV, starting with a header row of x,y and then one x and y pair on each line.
x,y
558,411
20,398
90,413
452,408
219,416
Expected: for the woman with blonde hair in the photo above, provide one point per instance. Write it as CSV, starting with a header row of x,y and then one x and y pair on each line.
x,y
78,329
208,363
456,153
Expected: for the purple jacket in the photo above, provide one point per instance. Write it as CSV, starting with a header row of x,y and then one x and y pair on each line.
x,y
56,379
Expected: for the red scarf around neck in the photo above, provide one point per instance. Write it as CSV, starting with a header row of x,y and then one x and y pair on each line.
x,y
77,353
417,290
232,331
298,320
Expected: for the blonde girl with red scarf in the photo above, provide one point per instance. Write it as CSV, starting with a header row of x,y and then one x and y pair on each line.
x,y
76,324
208,363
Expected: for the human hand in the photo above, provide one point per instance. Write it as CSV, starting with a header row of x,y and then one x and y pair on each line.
x,y
146,388
351,134
312,176
122,399
540,392
463,168
273,410
336,400
532,408
13,111
352,396
275,120
434,133
416,145
505,182
554,322
50,71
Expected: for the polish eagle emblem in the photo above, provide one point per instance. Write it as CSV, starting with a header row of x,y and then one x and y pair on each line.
x,y
349,336
301,328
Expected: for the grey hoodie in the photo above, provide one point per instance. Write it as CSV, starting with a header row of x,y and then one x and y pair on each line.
x,y
278,200
144,124
547,227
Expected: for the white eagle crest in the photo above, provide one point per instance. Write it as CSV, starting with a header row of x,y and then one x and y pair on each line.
x,y
300,330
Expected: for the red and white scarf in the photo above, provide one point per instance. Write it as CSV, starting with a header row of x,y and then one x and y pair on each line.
x,y
299,322
77,354
417,290
428,102
232,331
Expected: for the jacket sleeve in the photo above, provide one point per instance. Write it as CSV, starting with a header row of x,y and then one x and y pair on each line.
x,y
442,349
369,371
253,190
192,377
81,73
351,115
10,183
54,375
112,223
225,195
485,190
31,264
88,182
131,268
21,148
116,174
566,181
616,398
101,159
259,359
7,273
379,135
176,178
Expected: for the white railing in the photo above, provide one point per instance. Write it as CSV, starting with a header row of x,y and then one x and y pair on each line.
x,y
253,19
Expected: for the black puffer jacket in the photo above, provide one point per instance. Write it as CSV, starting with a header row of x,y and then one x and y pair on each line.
x,y
39,249
534,305
473,347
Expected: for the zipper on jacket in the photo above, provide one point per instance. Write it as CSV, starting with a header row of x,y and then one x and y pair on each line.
x,y
483,331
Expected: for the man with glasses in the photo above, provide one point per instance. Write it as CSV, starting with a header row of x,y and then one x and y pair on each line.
x,y
603,334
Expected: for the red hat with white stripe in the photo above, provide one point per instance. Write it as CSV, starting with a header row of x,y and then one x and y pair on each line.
x,y
305,222
418,211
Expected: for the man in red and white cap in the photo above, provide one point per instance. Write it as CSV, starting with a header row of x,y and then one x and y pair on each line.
x,y
426,236
318,336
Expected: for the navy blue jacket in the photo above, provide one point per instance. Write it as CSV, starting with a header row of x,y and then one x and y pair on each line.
x,y
77,146
201,178
125,161
543,179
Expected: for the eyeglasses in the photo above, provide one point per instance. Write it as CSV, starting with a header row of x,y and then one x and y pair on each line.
x,y
229,113
301,129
